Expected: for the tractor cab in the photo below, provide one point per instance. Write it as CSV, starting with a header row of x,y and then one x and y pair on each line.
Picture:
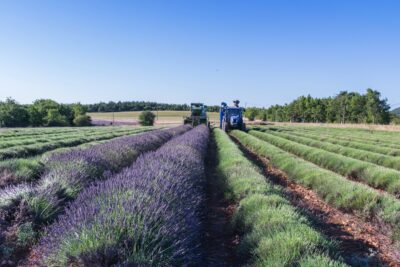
x,y
231,117
198,115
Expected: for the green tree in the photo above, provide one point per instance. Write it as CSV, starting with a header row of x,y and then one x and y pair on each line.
x,y
146,118
264,115
55,118
346,107
319,111
251,113
357,108
67,111
38,111
13,114
342,104
395,119
330,110
377,109
78,109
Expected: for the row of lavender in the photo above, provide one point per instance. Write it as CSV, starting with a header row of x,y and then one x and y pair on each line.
x,y
147,215
25,209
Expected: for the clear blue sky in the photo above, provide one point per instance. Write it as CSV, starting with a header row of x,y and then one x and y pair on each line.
x,y
261,52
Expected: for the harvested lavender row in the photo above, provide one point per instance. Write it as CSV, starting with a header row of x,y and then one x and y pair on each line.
x,y
67,174
147,215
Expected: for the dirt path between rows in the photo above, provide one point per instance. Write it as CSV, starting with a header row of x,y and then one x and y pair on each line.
x,y
361,243
220,240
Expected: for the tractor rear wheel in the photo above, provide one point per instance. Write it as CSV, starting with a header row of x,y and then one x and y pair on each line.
x,y
224,126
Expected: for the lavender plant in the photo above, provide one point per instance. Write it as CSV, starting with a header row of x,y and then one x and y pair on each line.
x,y
71,171
147,215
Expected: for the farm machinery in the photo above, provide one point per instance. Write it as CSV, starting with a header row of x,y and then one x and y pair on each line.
x,y
198,115
231,117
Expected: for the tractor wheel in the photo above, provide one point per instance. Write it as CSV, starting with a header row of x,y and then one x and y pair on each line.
x,y
224,126
243,127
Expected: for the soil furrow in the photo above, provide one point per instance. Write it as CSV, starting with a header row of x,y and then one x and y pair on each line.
x,y
220,239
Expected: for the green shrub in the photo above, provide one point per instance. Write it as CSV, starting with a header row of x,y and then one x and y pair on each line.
x,y
146,118
82,120
55,118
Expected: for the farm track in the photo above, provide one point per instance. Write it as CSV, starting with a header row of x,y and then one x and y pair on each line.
x,y
220,240
361,243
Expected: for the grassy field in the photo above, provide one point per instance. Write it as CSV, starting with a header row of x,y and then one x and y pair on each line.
x,y
163,117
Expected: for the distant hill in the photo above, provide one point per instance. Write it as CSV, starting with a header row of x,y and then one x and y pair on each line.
x,y
396,111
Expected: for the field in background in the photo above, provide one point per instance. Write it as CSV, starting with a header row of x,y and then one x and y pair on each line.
x,y
132,117
346,125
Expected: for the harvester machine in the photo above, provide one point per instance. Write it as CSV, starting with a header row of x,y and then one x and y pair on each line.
x,y
198,115
231,117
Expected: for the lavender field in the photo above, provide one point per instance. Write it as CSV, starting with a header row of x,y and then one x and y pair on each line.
x,y
195,196
26,207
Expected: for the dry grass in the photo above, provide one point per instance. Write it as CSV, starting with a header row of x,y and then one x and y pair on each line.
x,y
164,117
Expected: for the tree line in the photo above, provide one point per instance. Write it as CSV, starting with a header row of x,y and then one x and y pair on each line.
x,y
139,106
345,107
47,112
42,112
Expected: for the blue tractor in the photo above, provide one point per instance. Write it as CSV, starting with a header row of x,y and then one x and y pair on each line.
x,y
231,117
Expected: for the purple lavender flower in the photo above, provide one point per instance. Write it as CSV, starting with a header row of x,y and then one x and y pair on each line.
x,y
68,173
148,214
71,171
